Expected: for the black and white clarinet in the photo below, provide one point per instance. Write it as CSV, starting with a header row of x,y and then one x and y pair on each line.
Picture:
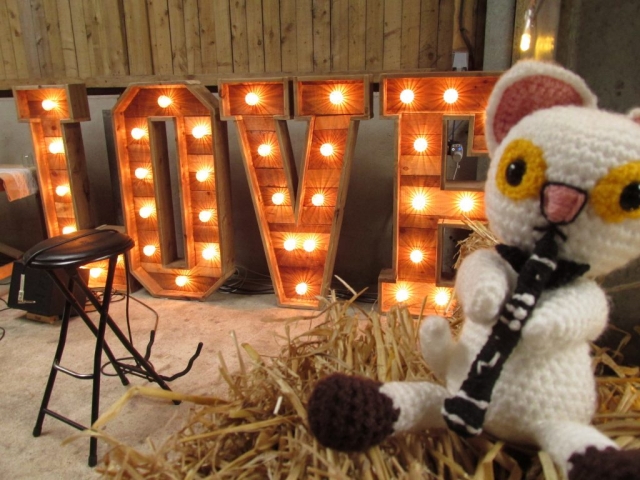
x,y
465,412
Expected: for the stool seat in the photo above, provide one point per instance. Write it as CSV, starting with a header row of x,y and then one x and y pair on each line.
x,y
77,248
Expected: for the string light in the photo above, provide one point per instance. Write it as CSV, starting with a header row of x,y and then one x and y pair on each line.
x,y
137,133
419,201
252,99
302,288
317,200
68,229
202,175
200,131
146,211
205,215
164,101
326,149
48,104
527,33
336,97
210,252
56,146
407,96
182,280
290,244
402,294
420,144
264,150
149,250
95,272
416,256
141,173
277,198
62,190
309,245
466,203
441,297
450,95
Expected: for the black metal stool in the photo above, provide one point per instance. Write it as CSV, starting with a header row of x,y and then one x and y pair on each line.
x,y
60,257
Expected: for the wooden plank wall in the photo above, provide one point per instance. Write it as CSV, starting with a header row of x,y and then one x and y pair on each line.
x,y
111,43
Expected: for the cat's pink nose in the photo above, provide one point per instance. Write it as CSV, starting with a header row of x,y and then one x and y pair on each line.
x,y
561,203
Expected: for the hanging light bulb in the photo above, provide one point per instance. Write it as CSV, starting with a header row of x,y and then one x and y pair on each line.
x,y
95,272
442,297
146,211
200,131
420,144
202,175
336,97
416,256
62,190
407,96
56,146
164,101
450,95
326,149
138,133
149,250
302,288
141,173
264,150
527,33
252,99
309,245
68,229
317,200
402,294
49,104
277,198
210,252
182,280
419,201
290,244
205,215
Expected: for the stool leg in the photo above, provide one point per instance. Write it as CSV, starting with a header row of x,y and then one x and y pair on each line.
x,y
66,313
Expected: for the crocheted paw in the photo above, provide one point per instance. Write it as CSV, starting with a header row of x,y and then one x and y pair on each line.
x,y
609,463
350,413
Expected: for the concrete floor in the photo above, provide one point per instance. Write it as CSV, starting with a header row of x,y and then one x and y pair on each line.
x,y
27,349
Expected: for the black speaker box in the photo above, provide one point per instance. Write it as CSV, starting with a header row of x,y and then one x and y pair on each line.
x,y
41,295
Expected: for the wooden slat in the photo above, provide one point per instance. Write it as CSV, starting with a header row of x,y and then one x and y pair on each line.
x,y
288,36
357,32
40,36
19,50
92,20
114,38
80,40
53,33
136,20
321,35
410,40
374,39
339,41
223,37
271,27
239,43
2,70
255,36
428,33
193,32
392,36
160,36
67,39
445,34
304,34
178,36
6,45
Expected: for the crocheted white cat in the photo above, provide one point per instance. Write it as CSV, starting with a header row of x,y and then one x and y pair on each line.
x,y
563,195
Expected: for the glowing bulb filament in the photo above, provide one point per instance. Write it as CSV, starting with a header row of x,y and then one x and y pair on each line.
x,y
149,250
336,97
450,95
326,149
205,215
146,211
264,150
416,256
420,144
56,146
402,295
317,200
137,133
309,245
48,104
141,173
68,229
210,253
164,101
407,96
252,99
466,204
442,298
202,175
95,272
419,201
301,288
200,131
290,244
182,280
62,190
278,198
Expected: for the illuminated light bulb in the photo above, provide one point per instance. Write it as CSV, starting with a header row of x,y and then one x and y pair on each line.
x,y
278,198
182,280
141,173
309,245
200,131
120,260
442,298
56,146
95,272
318,199
525,42
326,149
290,244
62,190
202,175
68,229
210,253
137,133
466,204
164,101
252,99
205,216
416,256
48,104
336,97
419,201
421,144
450,95
149,250
525,39
301,288
264,150
407,96
402,295
146,211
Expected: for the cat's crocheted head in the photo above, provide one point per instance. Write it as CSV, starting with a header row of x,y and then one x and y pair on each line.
x,y
557,159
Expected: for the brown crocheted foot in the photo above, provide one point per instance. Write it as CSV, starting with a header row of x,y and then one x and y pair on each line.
x,y
349,413
610,464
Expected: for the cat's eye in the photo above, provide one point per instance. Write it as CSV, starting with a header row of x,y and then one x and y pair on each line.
x,y
616,196
521,171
